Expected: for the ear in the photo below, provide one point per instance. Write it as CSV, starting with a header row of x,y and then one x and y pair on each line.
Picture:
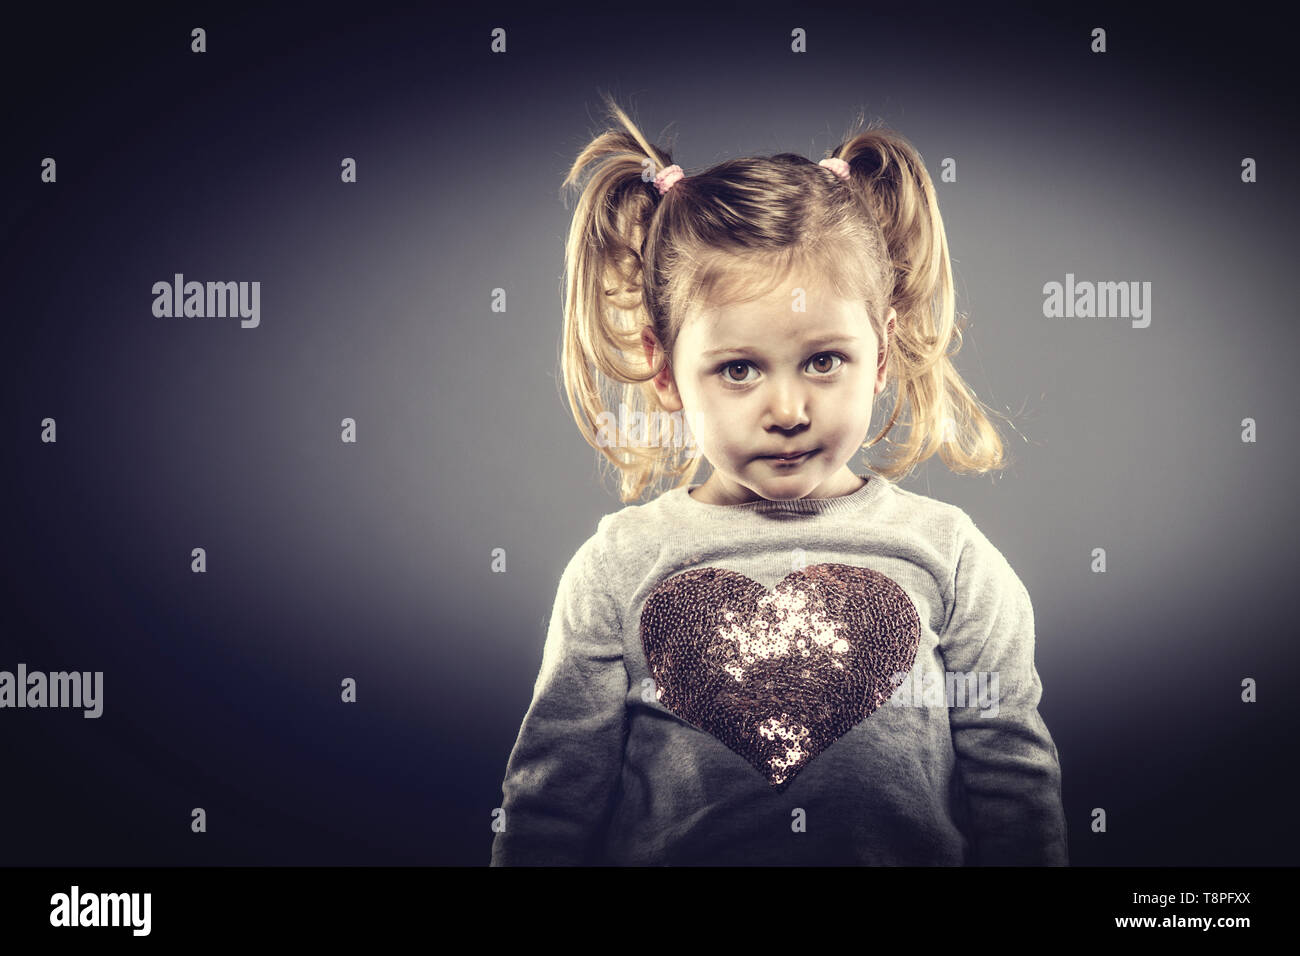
x,y
883,350
663,383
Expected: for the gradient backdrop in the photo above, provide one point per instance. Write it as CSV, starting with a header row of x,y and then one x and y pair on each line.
x,y
371,560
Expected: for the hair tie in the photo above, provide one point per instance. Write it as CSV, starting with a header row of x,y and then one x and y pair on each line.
x,y
838,166
664,181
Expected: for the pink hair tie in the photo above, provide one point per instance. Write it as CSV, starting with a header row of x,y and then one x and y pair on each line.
x,y
838,166
664,181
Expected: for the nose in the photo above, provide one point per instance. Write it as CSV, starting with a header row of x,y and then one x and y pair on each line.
x,y
786,405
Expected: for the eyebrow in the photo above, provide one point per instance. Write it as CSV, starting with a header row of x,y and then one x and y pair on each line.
x,y
817,343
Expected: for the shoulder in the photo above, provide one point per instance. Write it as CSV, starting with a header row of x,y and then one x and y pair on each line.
x,y
639,527
916,501
972,558
981,567
624,538
940,520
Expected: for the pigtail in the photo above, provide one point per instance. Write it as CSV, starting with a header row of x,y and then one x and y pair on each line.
x,y
605,309
891,179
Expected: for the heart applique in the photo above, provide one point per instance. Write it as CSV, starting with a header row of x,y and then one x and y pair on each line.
x,y
778,675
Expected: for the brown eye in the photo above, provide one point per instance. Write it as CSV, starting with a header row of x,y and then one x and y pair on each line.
x,y
826,357
743,366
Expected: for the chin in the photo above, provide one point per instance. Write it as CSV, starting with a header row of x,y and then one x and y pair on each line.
x,y
792,496
793,486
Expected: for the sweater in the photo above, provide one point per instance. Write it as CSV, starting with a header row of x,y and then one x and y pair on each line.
x,y
816,681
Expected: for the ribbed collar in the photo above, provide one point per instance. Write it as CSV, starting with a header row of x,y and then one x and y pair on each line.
x,y
842,505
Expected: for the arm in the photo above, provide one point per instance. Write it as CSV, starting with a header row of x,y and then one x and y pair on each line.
x,y
1006,759
566,763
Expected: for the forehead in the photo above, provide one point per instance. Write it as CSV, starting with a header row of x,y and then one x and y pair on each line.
x,y
772,323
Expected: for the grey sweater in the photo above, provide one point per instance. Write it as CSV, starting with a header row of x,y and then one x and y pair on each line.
x,y
810,682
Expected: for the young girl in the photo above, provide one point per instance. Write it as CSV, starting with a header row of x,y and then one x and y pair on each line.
x,y
791,663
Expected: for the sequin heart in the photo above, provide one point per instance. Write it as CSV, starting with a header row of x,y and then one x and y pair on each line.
x,y
778,676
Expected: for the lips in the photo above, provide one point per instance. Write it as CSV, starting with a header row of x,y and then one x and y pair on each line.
x,y
790,456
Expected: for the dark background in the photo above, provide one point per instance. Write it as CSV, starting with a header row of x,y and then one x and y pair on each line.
x,y
372,560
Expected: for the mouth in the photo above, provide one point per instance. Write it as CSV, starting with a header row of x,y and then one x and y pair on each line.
x,y
790,459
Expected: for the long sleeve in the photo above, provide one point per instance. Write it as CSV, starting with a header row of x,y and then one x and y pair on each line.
x,y
1006,760
566,763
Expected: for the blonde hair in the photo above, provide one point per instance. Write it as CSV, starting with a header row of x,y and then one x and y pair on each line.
x,y
635,258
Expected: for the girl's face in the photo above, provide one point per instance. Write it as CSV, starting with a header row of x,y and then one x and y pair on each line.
x,y
758,380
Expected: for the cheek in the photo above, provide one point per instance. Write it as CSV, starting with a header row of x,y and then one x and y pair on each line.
x,y
719,437
719,429
860,396
851,410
